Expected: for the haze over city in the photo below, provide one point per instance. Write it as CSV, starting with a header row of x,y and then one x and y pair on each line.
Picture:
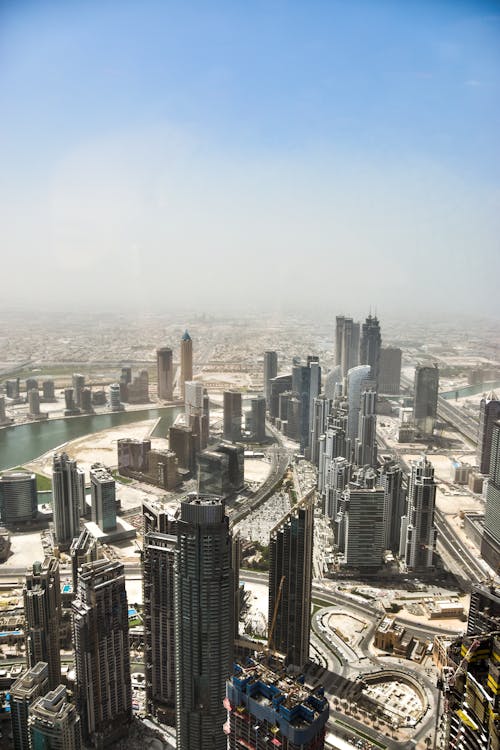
x,y
251,156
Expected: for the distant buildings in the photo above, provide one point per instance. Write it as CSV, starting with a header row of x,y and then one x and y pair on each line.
x,y
358,379
54,723
138,460
365,447
68,489
489,413
102,653
270,709
290,583
426,396
277,386
204,622
258,418
165,370
18,497
186,361
418,532
42,610
270,372
490,546
115,403
138,389
78,386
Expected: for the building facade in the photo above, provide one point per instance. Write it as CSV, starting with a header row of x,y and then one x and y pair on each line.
x,y
102,653
426,396
186,361
18,497
490,546
68,489
42,611
23,692
232,416
103,498
54,723
204,622
370,346
165,372
290,582
270,372
489,413
418,532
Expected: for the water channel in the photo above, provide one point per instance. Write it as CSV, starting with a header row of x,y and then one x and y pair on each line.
x,y
25,442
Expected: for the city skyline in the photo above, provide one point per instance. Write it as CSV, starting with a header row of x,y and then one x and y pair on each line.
x,y
243,140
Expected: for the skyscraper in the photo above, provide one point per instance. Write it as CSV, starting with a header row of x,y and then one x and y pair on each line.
x,y
484,609
103,498
78,386
54,723
490,546
102,653
115,403
290,582
389,380
159,621
365,450
258,407
346,344
391,479
34,402
232,416
426,396
165,371
18,497
68,488
42,611
270,372
363,508
358,378
271,709
23,692
370,346
204,622
489,413
418,532
186,360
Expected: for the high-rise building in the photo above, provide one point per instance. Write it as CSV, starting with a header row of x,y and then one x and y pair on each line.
x,y
23,692
391,479
270,709
186,361
31,383
84,549
290,582
484,609
270,372
48,390
12,388
358,379
426,396
370,346
182,441
71,409
18,497
489,413
278,385
490,545
54,723
159,622
34,402
338,476
346,344
115,403
102,653
319,416
68,489
258,414
204,622
221,470
232,416
418,532
3,416
389,379
164,364
42,611
138,389
103,498
365,448
133,455
363,509
78,383
472,694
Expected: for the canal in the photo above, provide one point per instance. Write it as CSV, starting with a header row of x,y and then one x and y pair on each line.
x,y
25,442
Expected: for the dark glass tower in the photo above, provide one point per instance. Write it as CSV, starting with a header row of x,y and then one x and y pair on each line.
x,y
371,343
204,622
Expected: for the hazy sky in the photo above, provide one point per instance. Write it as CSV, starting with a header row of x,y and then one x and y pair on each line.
x,y
254,154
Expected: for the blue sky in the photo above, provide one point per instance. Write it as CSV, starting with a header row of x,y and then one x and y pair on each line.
x,y
314,142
